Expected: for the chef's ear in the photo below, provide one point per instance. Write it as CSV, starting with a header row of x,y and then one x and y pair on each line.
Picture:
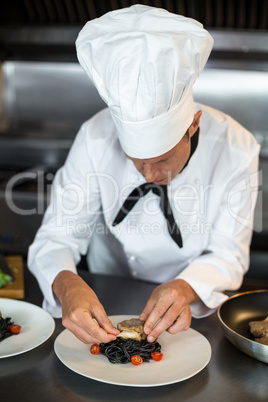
x,y
195,124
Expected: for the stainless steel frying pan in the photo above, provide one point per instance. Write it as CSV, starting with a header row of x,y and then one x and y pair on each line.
x,y
234,316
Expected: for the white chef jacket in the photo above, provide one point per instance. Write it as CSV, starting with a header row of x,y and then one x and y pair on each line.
x,y
212,201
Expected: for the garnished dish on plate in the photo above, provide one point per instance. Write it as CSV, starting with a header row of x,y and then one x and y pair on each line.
x,y
130,346
36,326
184,355
8,328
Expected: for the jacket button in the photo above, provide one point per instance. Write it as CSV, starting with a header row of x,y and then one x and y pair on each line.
x,y
132,258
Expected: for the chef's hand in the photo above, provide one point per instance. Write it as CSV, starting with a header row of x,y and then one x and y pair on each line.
x,y
79,306
168,303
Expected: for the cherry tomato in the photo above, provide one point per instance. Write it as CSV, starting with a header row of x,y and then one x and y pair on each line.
x,y
136,360
95,349
157,356
14,328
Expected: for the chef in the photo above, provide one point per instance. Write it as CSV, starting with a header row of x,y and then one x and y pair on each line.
x,y
155,186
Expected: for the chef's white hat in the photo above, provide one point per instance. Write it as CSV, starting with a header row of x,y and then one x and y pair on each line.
x,y
144,62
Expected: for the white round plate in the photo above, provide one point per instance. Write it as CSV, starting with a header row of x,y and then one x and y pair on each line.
x,y
36,327
185,354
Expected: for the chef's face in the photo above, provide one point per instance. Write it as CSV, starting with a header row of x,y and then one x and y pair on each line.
x,y
164,168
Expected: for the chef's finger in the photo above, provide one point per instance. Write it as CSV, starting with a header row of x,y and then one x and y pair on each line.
x,y
148,309
84,337
82,324
166,322
98,333
158,311
104,321
182,323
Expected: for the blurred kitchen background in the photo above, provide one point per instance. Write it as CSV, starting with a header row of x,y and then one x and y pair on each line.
x,y
45,97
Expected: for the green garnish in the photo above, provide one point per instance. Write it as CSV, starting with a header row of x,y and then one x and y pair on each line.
x,y
4,279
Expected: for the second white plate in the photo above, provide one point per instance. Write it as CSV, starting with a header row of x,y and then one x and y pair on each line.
x,y
36,326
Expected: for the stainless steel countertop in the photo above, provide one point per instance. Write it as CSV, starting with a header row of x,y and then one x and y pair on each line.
x,y
39,375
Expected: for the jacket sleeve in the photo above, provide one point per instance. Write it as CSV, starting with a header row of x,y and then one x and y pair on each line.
x,y
225,260
68,221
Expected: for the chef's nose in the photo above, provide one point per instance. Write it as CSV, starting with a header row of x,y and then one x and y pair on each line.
x,y
150,172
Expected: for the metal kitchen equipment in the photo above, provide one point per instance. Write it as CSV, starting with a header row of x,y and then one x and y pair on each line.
x,y
234,317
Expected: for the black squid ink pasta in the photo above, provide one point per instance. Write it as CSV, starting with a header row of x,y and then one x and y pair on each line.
x,y
5,328
121,350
